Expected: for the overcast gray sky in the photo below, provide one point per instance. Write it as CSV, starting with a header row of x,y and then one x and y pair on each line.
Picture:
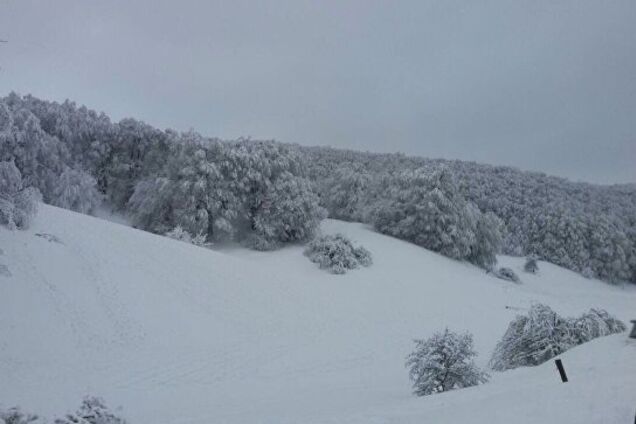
x,y
548,86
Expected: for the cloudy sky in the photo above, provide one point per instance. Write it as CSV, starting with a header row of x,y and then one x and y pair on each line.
x,y
541,85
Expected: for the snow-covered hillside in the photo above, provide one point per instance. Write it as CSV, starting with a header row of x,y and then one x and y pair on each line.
x,y
179,334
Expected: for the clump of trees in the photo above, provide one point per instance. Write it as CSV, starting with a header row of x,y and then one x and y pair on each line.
x,y
15,415
543,334
265,194
587,228
337,254
427,209
444,362
93,410
254,192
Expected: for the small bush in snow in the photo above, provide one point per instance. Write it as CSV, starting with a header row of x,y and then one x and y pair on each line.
x,y
444,362
16,416
507,274
543,334
178,233
531,265
92,411
337,254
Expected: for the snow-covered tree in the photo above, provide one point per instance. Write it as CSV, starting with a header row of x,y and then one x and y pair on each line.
x,y
543,334
288,211
532,339
595,323
423,207
16,416
18,204
149,205
609,249
444,362
39,157
487,230
125,161
426,208
92,411
531,265
345,193
76,190
337,254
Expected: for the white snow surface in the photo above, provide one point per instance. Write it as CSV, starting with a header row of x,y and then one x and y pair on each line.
x,y
175,333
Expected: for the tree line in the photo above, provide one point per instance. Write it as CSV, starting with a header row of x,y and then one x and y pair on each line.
x,y
264,193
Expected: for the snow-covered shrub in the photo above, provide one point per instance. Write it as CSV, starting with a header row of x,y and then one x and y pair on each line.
x,y
507,274
444,362
531,265
543,334
77,191
18,204
595,323
16,416
587,272
363,256
337,254
178,233
92,411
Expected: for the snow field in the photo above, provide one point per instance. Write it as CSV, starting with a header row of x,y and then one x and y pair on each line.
x,y
179,334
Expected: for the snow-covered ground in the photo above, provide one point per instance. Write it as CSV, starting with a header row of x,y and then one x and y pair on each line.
x,y
179,334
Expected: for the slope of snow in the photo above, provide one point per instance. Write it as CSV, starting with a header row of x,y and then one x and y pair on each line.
x,y
179,334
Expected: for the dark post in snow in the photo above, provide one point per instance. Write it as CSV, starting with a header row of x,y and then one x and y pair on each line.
x,y
559,364
633,333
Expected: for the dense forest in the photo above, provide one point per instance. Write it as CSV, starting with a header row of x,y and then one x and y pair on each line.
x,y
264,193
587,228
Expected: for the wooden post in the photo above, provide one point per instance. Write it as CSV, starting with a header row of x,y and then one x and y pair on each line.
x,y
559,364
633,333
